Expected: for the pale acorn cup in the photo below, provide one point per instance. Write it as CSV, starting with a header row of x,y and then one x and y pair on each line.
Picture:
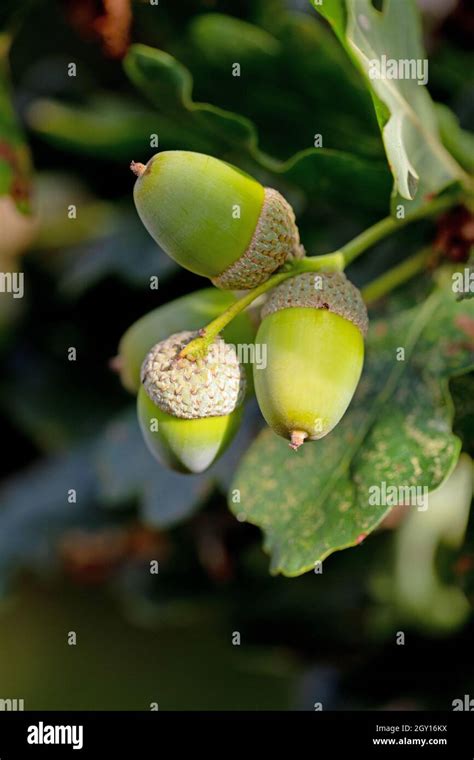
x,y
214,219
188,312
313,327
189,411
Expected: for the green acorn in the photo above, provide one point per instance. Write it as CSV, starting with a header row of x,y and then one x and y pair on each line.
x,y
189,411
214,219
313,327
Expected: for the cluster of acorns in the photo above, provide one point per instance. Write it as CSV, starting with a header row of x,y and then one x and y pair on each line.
x,y
219,222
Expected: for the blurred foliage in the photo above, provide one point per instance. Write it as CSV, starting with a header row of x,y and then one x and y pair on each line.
x,y
417,591
14,153
137,666
70,425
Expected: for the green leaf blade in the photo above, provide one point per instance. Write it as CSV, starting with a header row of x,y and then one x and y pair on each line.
x,y
421,166
398,431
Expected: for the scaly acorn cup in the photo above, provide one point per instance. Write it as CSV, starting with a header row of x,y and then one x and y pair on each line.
x,y
313,326
214,219
190,312
189,411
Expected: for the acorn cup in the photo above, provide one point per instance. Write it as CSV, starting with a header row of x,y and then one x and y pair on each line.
x,y
189,411
313,326
214,219
190,312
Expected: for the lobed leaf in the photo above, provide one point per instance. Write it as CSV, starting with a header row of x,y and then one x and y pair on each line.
x,y
326,173
111,128
126,470
420,164
397,430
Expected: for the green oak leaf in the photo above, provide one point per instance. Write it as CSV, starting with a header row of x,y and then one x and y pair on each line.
x,y
126,470
223,39
420,164
109,127
349,170
398,429
306,52
333,11
333,175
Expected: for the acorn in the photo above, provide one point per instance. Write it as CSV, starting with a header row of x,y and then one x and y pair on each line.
x,y
189,411
313,326
214,219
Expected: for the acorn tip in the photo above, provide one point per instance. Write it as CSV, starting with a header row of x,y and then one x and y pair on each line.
x,y
137,168
297,439
116,364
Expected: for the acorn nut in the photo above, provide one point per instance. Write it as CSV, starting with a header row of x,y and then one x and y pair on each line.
x,y
313,326
189,410
214,219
